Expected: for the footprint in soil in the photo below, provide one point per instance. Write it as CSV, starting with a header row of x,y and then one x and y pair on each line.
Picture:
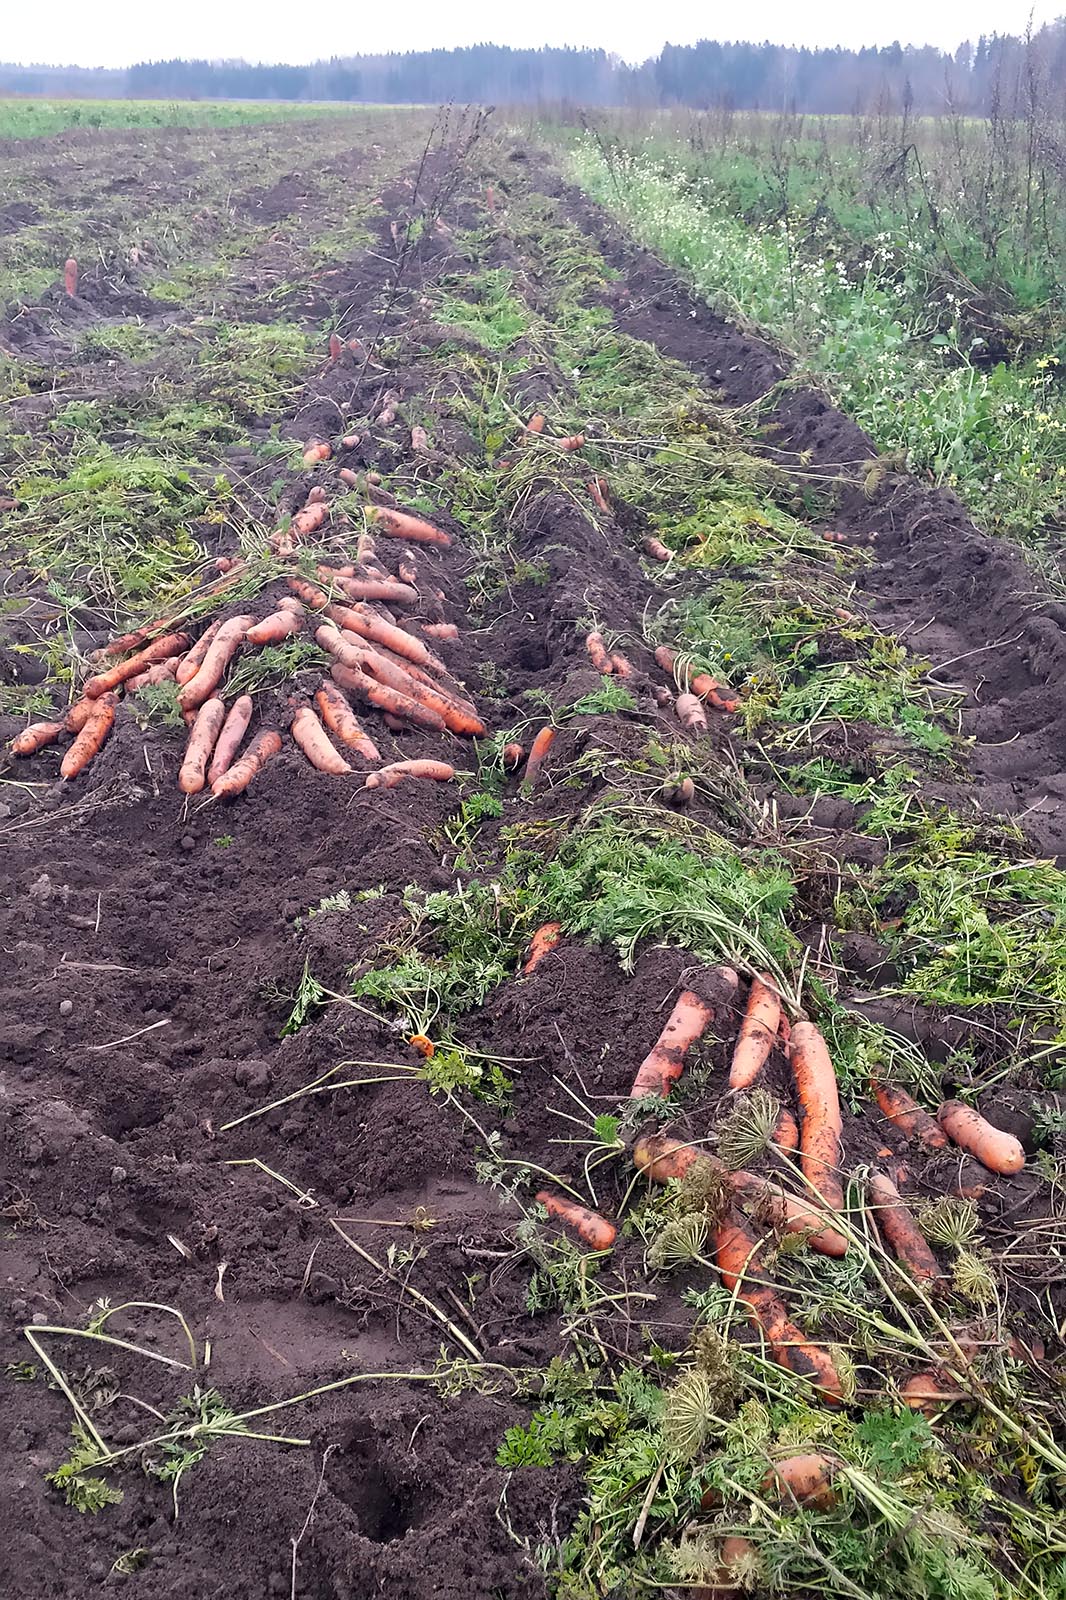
x,y
385,1506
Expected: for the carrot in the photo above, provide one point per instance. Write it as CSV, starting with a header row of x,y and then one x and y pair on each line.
x,y
739,1263
513,756
805,1480
229,740
386,699
237,778
622,665
70,277
596,1231
928,1393
316,450
907,1115
336,346
203,738
220,652
78,715
440,630
399,594
663,1158
392,674
535,423
537,752
543,941
35,737
786,1134
996,1150
655,548
835,538
309,593
311,736
397,771
139,637
598,653
574,442
791,1212
336,713
715,693
690,714
276,627
89,741
349,478
400,525
665,1062
597,488
360,619
407,567
901,1231
170,644
757,1033
419,441
350,441
819,1101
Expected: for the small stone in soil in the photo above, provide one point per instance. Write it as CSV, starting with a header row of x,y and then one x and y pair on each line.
x,y
66,1007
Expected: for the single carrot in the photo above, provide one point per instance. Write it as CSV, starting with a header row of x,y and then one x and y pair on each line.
x,y
220,652
398,771
349,478
537,752
690,714
387,589
928,1393
386,699
336,346
309,593
70,277
786,1134
621,665
790,1212
901,1231
904,1112
662,1158
203,738
316,450
308,520
757,1033
94,731
665,1062
237,778
401,525
597,652
276,627
313,740
229,740
419,441
134,640
819,1102
35,737
337,715
655,548
996,1150
547,936
740,1264
596,1231
170,644
350,441
407,567
573,442
78,715
806,1480
513,756
535,423
440,630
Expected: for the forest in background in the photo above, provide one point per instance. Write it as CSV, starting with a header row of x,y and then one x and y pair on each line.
x,y
997,74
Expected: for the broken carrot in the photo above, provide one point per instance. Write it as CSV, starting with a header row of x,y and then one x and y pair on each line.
x,y
597,652
203,737
535,423
90,739
807,1480
573,442
313,740
819,1103
537,752
512,757
229,740
786,1131
35,737
596,1231
757,1033
928,1393
316,450
998,1151
655,549
440,630
546,938
690,714
904,1112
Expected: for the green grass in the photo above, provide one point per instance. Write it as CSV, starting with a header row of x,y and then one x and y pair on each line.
x,y
37,119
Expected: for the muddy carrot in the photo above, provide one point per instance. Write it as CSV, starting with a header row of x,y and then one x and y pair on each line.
x,y
784,1033
791,1212
401,525
139,637
349,478
360,619
513,756
170,644
786,1134
419,441
220,653
229,740
928,1393
203,738
336,346
440,630
316,450
237,778
543,941
621,665
35,737
655,549
78,715
757,1033
573,442
350,651
597,488
276,627
596,1231
901,1231
690,714
819,1103
597,653
70,277
387,589
313,740
386,699
904,1112
665,1062
996,1150
336,713
309,593
662,1158
88,742
350,441
398,772
407,567
739,1263
537,752
709,689
807,1480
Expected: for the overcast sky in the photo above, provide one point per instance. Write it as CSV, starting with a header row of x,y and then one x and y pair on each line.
x,y
118,32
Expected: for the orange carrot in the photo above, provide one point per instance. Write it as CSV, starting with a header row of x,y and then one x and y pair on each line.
x,y
360,619
596,1231
757,1033
739,1263
170,644
904,1112
350,441
203,738
928,1393
70,277
397,594
537,752
78,715
237,778
715,693
597,488
665,1062
313,740
690,714
597,652
316,450
901,1231
621,665
386,699
407,567
229,740
336,713
791,1212
220,653
336,346
574,442
88,743
663,1158
543,941
351,652
134,640
309,593
835,538
513,756
276,627
786,1134
35,737
996,1150
655,548
819,1101
805,1480
401,525
440,630
535,423
397,771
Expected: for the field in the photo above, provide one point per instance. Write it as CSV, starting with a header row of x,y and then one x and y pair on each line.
x,y
288,1072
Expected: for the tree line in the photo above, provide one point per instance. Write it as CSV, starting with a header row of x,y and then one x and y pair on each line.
x,y
997,74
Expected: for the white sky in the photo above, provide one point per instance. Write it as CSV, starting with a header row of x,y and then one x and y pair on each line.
x,y
115,33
